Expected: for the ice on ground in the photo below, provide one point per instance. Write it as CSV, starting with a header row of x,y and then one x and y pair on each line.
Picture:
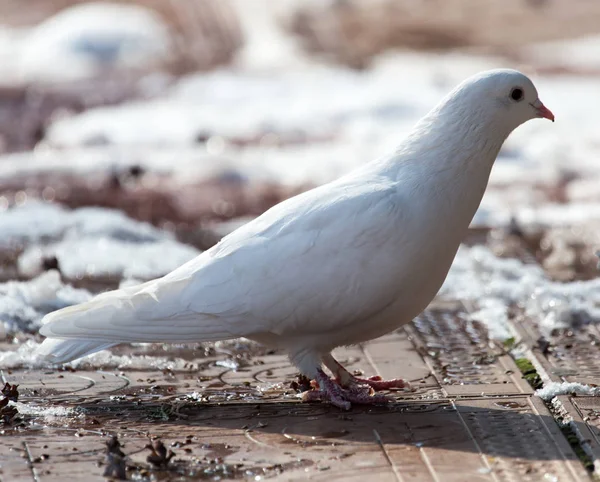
x,y
554,389
494,284
85,40
90,242
23,304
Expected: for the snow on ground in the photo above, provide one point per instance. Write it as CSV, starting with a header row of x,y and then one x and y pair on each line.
x,y
35,221
87,242
493,284
48,414
90,242
554,389
84,41
23,304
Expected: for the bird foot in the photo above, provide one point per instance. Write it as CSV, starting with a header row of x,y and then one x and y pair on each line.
x,y
343,397
377,383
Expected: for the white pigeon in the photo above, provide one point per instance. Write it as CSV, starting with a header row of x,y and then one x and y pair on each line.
x,y
340,264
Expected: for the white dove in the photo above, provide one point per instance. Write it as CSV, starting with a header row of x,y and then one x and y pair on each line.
x,y
337,265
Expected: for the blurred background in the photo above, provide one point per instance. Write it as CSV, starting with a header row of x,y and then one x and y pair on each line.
x,y
134,134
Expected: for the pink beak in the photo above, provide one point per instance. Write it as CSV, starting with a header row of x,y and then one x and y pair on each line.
x,y
543,111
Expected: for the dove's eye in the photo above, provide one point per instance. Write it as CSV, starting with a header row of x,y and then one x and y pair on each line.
x,y
516,94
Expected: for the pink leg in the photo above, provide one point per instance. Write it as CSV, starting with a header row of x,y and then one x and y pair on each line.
x,y
377,383
345,378
342,397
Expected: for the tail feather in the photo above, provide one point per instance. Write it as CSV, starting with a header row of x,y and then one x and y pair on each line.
x,y
151,312
56,350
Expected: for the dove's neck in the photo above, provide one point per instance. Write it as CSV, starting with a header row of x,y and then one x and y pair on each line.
x,y
447,161
457,138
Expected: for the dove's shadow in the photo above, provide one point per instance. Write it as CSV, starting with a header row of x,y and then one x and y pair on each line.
x,y
508,428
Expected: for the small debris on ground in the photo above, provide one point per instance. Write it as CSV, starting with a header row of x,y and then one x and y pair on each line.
x,y
159,456
301,384
8,413
115,460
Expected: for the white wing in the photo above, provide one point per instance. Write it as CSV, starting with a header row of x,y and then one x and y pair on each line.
x,y
311,264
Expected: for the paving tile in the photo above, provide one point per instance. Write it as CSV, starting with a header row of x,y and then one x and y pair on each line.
x,y
520,439
572,356
462,358
583,416
14,463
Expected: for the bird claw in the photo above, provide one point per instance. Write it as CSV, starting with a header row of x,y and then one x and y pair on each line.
x,y
377,383
343,397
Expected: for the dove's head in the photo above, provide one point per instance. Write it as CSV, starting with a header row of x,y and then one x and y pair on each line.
x,y
502,97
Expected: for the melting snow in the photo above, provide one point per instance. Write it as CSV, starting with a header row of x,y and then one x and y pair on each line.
x,y
94,242
554,389
47,413
84,40
34,221
104,256
23,304
495,283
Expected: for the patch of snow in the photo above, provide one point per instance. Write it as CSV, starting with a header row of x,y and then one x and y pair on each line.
x,y
23,304
31,222
105,256
185,160
493,284
85,40
90,242
584,190
11,41
493,314
36,221
47,413
554,389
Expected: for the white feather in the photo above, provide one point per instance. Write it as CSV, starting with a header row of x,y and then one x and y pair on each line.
x,y
56,350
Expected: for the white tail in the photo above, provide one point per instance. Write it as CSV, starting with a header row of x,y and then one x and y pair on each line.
x,y
55,350
148,313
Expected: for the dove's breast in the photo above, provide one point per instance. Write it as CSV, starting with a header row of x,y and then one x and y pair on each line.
x,y
436,228
413,289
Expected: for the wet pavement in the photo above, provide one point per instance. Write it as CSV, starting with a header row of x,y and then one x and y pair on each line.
x,y
233,413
